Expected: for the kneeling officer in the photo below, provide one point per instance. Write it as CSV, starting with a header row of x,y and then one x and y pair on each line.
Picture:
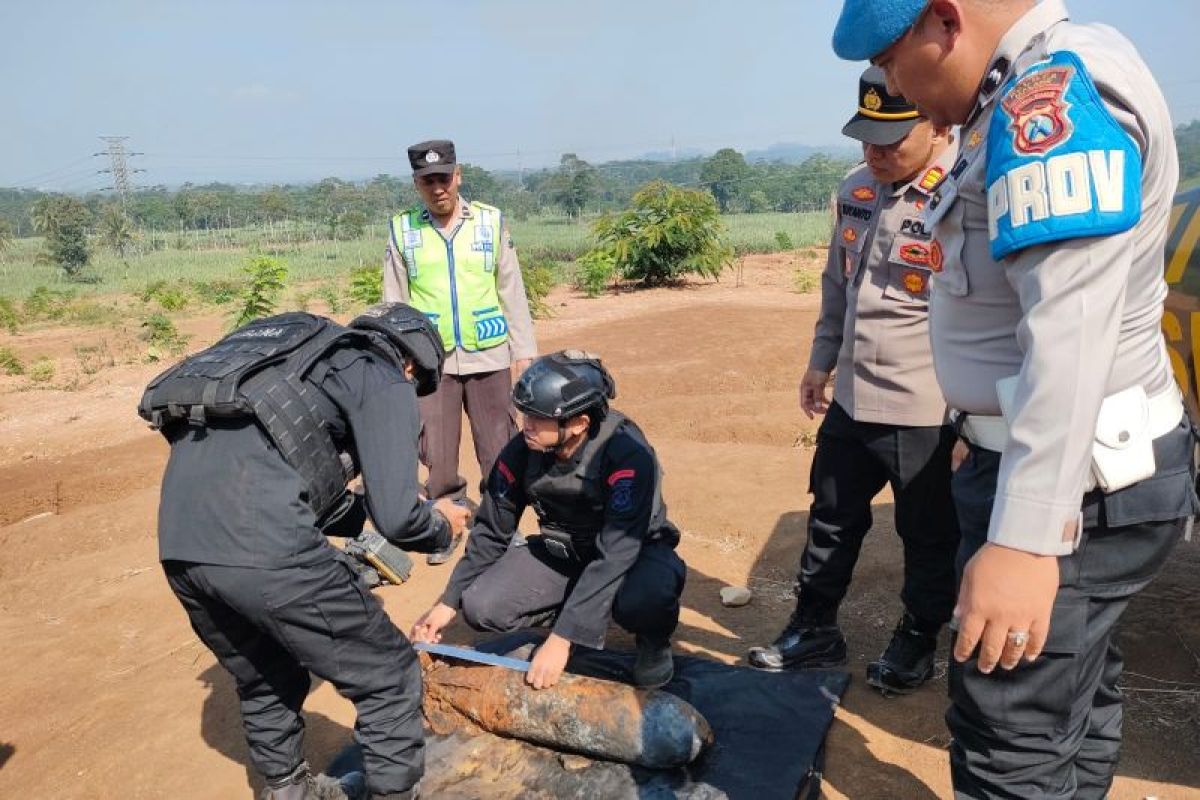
x,y
266,428
605,550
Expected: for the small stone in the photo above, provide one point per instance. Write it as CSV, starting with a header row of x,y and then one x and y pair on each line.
x,y
735,596
27,456
573,763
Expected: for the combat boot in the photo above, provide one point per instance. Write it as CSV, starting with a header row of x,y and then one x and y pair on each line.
x,y
907,663
655,666
808,641
301,784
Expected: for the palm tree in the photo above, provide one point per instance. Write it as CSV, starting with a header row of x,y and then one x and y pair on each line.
x,y
116,230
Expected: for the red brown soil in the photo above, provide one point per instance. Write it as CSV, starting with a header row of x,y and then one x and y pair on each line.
x,y
107,693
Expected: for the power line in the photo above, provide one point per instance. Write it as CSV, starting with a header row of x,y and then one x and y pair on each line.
x,y
118,165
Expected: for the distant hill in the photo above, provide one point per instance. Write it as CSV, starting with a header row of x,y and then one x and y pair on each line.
x,y
793,153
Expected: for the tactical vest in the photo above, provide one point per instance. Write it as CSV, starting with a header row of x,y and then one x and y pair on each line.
x,y
260,371
454,282
574,503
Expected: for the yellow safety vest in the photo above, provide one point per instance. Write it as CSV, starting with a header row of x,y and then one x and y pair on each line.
x,y
454,281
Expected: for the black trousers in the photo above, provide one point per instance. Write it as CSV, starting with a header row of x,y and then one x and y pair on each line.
x,y
853,462
270,628
1052,729
527,587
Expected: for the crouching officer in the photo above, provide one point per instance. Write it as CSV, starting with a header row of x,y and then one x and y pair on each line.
x,y
886,423
266,428
605,549
1047,342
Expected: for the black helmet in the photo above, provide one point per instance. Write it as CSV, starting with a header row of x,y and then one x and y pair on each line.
x,y
411,332
564,384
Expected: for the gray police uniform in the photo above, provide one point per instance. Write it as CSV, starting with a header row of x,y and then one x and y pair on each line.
x,y
267,593
886,422
1051,229
606,551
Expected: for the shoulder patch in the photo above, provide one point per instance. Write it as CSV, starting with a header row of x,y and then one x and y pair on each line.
x,y
931,179
863,193
1059,166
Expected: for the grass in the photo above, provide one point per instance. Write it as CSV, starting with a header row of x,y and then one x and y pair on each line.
x,y
218,257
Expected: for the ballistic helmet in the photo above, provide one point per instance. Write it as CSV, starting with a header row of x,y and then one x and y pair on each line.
x,y
408,330
564,384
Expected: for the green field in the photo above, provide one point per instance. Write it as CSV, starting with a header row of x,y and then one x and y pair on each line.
x,y
200,256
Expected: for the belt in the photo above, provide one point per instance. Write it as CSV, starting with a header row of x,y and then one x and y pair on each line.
x,y
991,432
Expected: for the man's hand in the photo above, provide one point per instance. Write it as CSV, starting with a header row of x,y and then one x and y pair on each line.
x,y
812,392
456,515
428,627
548,663
959,454
1006,597
518,368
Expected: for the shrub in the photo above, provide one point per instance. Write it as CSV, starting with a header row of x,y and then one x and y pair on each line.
x,y
539,276
594,271
784,241
331,293
10,363
42,370
366,284
162,335
218,292
44,303
261,293
10,318
171,296
806,280
667,233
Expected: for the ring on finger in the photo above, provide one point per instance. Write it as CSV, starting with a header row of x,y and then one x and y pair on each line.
x,y
1018,638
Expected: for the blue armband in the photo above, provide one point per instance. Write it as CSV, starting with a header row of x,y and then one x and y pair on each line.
x,y
1059,166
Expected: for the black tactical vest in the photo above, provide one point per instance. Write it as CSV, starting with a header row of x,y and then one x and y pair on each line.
x,y
573,502
260,371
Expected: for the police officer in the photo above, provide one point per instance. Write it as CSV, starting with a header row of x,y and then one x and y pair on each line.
x,y
1046,341
454,259
605,549
266,427
886,423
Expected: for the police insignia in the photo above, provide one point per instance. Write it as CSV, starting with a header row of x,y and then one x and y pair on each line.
x,y
849,235
1053,177
432,157
931,178
974,140
1038,112
872,101
913,253
864,193
621,490
936,257
914,281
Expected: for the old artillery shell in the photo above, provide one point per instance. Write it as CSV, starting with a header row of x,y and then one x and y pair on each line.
x,y
596,718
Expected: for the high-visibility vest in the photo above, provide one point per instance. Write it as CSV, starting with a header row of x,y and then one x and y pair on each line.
x,y
453,281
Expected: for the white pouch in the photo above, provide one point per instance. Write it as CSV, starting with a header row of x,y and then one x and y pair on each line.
x,y
1123,449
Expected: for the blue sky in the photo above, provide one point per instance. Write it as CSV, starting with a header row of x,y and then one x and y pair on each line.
x,y
274,90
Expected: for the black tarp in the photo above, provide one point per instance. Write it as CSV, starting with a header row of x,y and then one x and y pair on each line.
x,y
769,732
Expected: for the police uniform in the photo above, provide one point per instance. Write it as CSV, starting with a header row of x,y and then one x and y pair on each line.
x,y
1045,326
887,420
468,280
606,549
245,549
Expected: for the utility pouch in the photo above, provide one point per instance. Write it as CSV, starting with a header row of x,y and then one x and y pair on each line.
x,y
559,544
1123,452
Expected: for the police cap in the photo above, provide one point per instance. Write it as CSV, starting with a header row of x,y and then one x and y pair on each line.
x,y
868,27
882,118
432,158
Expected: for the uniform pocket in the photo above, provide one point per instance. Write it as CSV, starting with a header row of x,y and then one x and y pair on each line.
x,y
1032,698
907,284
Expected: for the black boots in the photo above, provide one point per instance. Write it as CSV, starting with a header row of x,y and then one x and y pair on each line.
x,y
807,642
907,662
301,784
654,666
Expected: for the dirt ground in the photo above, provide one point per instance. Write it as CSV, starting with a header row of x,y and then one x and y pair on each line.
x,y
106,693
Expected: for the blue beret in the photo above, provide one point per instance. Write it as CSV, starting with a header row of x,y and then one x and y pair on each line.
x,y
868,27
